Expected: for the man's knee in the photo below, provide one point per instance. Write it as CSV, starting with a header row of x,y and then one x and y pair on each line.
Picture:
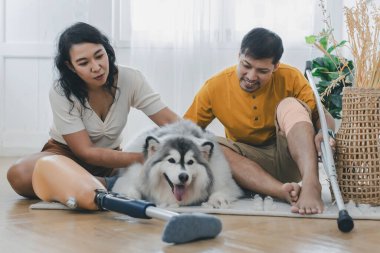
x,y
289,112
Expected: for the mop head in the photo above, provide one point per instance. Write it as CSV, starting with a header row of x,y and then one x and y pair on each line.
x,y
190,227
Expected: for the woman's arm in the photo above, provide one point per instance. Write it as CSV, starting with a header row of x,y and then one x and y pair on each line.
x,y
164,116
81,145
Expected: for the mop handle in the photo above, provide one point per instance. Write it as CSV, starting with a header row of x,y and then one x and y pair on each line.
x,y
114,202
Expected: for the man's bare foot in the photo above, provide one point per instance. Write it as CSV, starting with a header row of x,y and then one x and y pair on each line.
x,y
309,200
292,192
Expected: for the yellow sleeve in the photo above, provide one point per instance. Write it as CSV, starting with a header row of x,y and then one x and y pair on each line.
x,y
200,110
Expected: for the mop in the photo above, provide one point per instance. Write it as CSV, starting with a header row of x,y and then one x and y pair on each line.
x,y
345,222
57,178
180,228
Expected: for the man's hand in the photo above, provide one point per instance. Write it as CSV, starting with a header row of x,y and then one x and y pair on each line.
x,y
319,138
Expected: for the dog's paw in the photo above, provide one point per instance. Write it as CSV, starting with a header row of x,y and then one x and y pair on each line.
x,y
166,205
162,205
132,194
217,200
173,205
207,205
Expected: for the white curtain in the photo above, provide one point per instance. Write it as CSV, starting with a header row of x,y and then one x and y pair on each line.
x,y
190,23
179,44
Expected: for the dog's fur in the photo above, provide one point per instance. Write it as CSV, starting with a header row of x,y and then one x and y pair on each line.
x,y
183,166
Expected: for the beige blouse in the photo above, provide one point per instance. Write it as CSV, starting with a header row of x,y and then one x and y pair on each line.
x,y
133,91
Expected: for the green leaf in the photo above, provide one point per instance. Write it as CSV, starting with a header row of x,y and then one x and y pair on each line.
x,y
311,39
330,49
323,42
319,71
336,113
333,75
351,64
323,84
336,100
333,47
340,44
335,60
329,64
349,80
319,62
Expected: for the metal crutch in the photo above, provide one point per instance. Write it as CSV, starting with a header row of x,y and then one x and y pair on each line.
x,y
345,222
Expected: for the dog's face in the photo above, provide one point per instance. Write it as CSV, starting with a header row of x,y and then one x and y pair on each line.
x,y
178,167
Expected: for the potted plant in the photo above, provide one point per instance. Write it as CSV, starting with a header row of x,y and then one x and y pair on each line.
x,y
333,71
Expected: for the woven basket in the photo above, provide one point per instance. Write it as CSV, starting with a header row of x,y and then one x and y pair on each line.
x,y
358,146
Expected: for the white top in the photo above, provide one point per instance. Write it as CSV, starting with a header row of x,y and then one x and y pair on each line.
x,y
133,90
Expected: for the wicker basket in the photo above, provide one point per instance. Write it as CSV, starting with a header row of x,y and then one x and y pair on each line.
x,y
358,146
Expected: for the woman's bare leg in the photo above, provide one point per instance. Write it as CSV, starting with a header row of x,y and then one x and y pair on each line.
x,y
20,174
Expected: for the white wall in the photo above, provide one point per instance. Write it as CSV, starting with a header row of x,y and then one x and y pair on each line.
x,y
28,30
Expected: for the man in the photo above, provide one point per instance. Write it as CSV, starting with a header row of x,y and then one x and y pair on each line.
x,y
269,113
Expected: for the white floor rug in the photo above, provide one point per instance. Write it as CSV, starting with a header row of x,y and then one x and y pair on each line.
x,y
266,207
270,207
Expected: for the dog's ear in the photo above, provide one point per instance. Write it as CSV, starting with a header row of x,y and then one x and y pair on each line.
x,y
151,145
207,148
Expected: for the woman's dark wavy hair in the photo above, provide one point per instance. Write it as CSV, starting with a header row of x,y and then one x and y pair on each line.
x,y
70,82
260,43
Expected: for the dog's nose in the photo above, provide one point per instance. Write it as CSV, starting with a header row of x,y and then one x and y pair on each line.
x,y
183,177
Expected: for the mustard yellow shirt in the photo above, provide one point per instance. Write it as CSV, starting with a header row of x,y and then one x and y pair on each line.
x,y
248,117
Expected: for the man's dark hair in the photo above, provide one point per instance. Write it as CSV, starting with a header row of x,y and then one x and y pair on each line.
x,y
261,43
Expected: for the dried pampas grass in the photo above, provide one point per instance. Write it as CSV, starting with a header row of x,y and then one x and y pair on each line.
x,y
363,27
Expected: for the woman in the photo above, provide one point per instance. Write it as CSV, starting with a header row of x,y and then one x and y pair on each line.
x,y
90,103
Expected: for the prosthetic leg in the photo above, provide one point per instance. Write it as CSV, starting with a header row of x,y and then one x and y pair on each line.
x,y
58,178
345,222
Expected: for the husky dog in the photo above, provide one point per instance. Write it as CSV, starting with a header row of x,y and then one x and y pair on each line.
x,y
183,166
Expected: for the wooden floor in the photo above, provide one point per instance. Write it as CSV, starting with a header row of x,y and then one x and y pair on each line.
x,y
24,230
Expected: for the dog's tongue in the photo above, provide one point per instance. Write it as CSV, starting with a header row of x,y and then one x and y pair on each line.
x,y
179,191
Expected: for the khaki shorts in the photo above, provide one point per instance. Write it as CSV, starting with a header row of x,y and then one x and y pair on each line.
x,y
274,158
62,149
